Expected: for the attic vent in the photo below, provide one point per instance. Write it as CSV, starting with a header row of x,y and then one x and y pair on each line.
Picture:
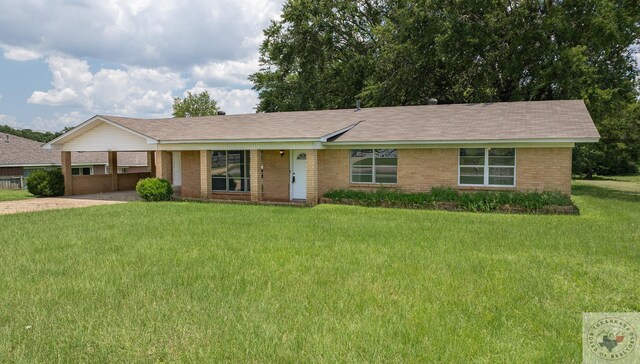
x,y
432,102
220,112
7,141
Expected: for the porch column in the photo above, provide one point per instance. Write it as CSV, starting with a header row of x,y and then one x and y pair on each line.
x,y
255,173
312,177
163,165
151,163
65,162
205,173
113,170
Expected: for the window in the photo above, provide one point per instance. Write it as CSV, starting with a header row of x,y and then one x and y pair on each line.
x,y
81,171
374,165
487,166
230,170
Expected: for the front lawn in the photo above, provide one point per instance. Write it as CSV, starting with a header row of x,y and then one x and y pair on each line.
x,y
212,282
10,195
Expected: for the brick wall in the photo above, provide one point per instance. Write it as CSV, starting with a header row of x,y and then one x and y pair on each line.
x,y
312,176
537,169
128,181
191,174
96,183
275,183
10,171
543,169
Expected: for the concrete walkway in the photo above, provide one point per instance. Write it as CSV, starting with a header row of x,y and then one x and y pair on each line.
x,y
67,202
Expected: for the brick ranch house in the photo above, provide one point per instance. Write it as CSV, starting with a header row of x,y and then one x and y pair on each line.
x,y
19,157
298,156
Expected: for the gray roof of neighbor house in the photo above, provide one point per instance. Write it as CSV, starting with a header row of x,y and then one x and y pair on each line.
x,y
513,121
17,151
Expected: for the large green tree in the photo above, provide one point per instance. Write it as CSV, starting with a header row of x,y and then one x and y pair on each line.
x,y
194,105
324,54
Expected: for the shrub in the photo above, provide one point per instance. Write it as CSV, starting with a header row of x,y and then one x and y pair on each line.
x,y
479,201
46,183
154,189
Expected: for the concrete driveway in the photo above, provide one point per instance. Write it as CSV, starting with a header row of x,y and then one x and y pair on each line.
x,y
67,202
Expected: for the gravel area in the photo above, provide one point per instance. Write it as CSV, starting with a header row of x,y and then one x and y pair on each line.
x,y
68,202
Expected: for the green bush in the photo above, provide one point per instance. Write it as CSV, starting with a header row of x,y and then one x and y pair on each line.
x,y
154,189
46,183
479,201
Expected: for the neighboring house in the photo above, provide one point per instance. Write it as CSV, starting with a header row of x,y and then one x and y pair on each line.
x,y
523,146
20,156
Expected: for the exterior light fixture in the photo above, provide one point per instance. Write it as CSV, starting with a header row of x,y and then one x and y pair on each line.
x,y
281,152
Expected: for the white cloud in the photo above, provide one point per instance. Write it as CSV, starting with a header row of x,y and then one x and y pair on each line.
x,y
59,121
8,120
226,73
20,54
232,101
131,91
141,33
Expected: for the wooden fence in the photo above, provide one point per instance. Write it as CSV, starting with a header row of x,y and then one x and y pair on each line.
x,y
12,183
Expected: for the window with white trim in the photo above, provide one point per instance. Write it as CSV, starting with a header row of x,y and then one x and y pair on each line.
x,y
81,171
230,170
487,166
374,165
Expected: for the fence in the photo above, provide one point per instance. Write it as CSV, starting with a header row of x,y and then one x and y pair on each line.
x,y
12,183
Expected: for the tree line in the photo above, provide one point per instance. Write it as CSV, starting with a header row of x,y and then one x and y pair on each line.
x,y
324,54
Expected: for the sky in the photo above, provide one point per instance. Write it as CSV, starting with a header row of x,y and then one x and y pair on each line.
x,y
61,62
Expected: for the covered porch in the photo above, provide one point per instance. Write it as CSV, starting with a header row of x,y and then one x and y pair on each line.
x,y
256,175
81,184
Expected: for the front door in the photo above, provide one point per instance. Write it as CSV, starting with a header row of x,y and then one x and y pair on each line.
x,y
298,175
177,169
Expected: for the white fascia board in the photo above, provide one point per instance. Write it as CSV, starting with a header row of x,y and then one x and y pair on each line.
x,y
88,123
224,141
427,143
338,132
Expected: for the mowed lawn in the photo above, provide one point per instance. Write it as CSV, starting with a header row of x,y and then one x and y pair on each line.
x,y
10,195
213,282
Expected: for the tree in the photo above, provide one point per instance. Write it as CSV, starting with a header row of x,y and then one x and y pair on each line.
x,y
194,105
323,54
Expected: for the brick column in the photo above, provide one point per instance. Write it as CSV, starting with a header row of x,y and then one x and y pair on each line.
x,y
65,162
205,173
255,171
151,163
163,165
312,177
113,170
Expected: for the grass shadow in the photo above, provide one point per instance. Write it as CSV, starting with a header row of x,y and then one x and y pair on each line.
x,y
605,193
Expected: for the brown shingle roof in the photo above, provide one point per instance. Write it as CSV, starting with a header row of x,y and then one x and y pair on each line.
x,y
564,119
16,151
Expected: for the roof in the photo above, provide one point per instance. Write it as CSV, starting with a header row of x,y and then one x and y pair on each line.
x,y
526,121
17,151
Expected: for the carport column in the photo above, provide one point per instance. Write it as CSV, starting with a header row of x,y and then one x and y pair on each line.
x,y
255,174
65,162
113,170
312,177
205,173
163,165
151,163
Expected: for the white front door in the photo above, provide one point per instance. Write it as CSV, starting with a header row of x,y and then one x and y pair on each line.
x,y
298,175
177,169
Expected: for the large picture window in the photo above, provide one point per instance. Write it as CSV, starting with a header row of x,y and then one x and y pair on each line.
x,y
487,166
374,165
230,170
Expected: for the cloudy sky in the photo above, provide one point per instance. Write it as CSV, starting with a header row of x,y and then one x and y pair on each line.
x,y
64,61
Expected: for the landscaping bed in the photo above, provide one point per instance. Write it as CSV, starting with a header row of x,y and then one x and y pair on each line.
x,y
451,200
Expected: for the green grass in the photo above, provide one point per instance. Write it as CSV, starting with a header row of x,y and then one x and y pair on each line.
x,y
10,195
213,282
